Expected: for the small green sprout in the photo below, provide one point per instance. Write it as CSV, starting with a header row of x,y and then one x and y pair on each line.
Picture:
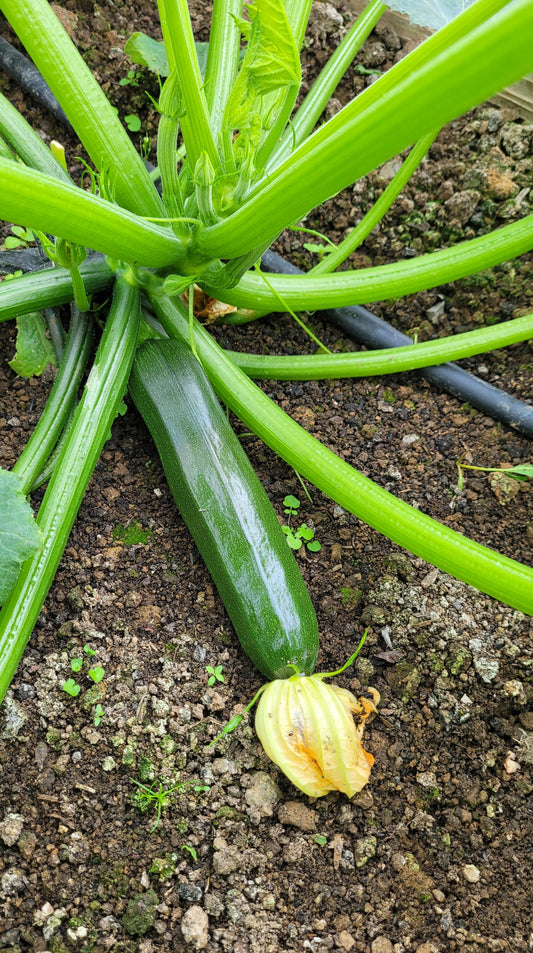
x,y
316,248
21,237
365,71
215,674
304,533
190,850
98,715
146,798
130,79
320,839
71,687
14,274
96,674
133,122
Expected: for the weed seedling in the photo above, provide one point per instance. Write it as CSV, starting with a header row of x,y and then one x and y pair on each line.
x,y
21,237
96,674
190,850
71,687
133,122
304,533
522,472
131,79
214,673
158,797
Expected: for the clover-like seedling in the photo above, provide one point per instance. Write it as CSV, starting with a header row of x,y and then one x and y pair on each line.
x,y
214,673
303,534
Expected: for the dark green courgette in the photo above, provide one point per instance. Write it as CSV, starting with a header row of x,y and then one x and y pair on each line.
x,y
226,509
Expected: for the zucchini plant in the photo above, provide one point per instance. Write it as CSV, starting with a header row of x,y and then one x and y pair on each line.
x,y
237,162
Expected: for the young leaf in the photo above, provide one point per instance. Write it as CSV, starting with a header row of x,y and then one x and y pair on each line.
x,y
96,674
71,687
431,13
19,534
271,61
522,472
314,546
145,51
34,350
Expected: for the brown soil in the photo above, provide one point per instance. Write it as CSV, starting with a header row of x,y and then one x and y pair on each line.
x,y
435,853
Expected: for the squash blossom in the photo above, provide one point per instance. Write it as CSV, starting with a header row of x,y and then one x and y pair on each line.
x,y
307,728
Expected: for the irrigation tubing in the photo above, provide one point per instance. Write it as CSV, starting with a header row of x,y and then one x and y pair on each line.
x,y
355,322
28,77
366,328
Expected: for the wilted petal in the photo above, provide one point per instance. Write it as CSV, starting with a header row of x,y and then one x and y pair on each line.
x,y
307,728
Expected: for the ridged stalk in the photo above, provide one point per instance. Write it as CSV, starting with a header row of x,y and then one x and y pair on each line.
x,y
95,414
390,360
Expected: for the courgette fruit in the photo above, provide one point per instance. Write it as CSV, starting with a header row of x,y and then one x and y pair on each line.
x,y
226,510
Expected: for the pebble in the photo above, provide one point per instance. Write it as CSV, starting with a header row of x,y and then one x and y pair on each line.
x,y
13,882
365,848
381,945
345,941
298,815
226,861
427,779
11,829
14,717
263,795
194,927
471,873
190,892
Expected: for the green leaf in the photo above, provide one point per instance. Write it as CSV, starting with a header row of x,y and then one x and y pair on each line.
x,y
305,531
34,350
271,62
151,53
19,533
522,472
291,502
96,674
133,122
314,546
431,13
76,664
71,687
294,542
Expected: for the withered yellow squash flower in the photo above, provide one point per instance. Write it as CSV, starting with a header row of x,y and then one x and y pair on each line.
x,y
307,728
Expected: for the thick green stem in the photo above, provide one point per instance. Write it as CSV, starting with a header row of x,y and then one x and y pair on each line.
x,y
50,288
43,203
170,104
96,411
222,59
41,443
26,143
391,360
179,43
487,570
83,101
383,282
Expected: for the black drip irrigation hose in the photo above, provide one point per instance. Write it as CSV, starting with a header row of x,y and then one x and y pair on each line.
x,y
28,77
356,322
366,328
